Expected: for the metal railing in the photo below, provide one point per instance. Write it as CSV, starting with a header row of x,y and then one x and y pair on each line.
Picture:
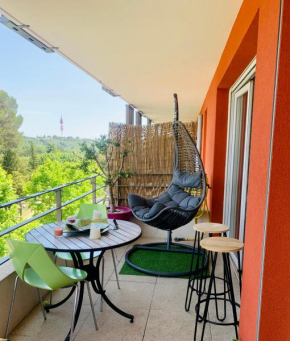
x,y
57,208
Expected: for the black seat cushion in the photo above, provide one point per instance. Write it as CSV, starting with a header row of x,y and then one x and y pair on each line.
x,y
174,197
139,205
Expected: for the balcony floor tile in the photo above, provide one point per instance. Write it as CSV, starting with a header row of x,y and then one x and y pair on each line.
x,y
156,303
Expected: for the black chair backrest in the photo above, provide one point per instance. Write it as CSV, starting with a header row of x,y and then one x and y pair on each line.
x,y
187,158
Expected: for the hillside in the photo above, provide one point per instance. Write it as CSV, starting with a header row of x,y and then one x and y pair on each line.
x,y
44,143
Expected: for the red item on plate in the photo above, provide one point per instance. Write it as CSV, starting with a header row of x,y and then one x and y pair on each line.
x,y
71,219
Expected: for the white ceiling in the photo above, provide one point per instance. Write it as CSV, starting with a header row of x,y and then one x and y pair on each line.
x,y
144,50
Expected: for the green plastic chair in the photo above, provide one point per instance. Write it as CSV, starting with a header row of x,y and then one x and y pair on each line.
x,y
86,211
35,268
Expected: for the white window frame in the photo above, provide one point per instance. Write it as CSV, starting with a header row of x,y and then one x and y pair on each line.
x,y
199,133
243,85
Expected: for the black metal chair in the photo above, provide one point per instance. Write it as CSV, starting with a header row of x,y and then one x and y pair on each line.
x,y
179,204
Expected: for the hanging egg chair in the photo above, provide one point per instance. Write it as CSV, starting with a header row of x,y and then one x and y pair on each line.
x,y
180,202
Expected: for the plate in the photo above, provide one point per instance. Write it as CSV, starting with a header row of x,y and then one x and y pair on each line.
x,y
74,228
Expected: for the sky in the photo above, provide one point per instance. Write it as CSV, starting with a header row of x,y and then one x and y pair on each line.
x,y
47,86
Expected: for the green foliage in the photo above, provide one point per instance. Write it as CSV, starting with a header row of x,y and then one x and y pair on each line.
x,y
7,193
10,140
127,174
16,167
35,165
10,122
8,216
10,161
103,151
33,160
19,180
50,148
55,173
52,173
59,156
67,145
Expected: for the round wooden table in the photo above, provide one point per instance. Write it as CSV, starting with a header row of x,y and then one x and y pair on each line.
x,y
75,243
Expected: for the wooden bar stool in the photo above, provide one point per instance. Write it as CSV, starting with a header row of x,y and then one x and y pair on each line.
x,y
201,230
214,246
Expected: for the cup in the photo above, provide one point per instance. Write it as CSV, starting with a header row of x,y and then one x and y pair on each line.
x,y
97,215
95,232
58,231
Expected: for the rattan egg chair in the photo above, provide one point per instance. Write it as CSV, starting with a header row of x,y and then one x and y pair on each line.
x,y
179,204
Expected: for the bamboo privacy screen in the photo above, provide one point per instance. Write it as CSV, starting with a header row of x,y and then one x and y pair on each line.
x,y
151,157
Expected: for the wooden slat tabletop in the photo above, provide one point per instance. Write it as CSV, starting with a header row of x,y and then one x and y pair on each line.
x,y
75,242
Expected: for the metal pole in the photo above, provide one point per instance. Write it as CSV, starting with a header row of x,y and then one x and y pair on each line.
x,y
117,192
58,205
129,114
94,195
21,209
176,114
138,118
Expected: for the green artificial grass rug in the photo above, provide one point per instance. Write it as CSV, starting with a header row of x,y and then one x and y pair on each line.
x,y
159,261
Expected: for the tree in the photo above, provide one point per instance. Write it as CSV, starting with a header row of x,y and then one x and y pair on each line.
x,y
19,180
10,122
50,148
61,157
17,167
104,152
8,216
33,162
55,173
10,161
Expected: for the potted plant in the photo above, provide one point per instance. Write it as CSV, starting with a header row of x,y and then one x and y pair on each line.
x,y
104,152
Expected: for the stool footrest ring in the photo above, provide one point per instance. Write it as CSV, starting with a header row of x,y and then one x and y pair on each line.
x,y
201,319
204,292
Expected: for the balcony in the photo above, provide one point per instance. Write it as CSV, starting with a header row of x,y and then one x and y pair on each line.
x,y
157,303
229,62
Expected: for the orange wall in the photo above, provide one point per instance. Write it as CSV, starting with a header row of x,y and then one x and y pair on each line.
x,y
275,307
255,32
227,72
259,162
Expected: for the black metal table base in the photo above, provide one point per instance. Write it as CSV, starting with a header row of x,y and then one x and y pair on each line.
x,y
96,284
93,277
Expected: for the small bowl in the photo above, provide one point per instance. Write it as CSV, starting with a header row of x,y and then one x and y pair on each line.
x,y
71,220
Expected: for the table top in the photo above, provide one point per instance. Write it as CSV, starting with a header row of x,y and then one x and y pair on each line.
x,y
79,242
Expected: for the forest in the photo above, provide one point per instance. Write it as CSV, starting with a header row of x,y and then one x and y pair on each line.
x,y
30,165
